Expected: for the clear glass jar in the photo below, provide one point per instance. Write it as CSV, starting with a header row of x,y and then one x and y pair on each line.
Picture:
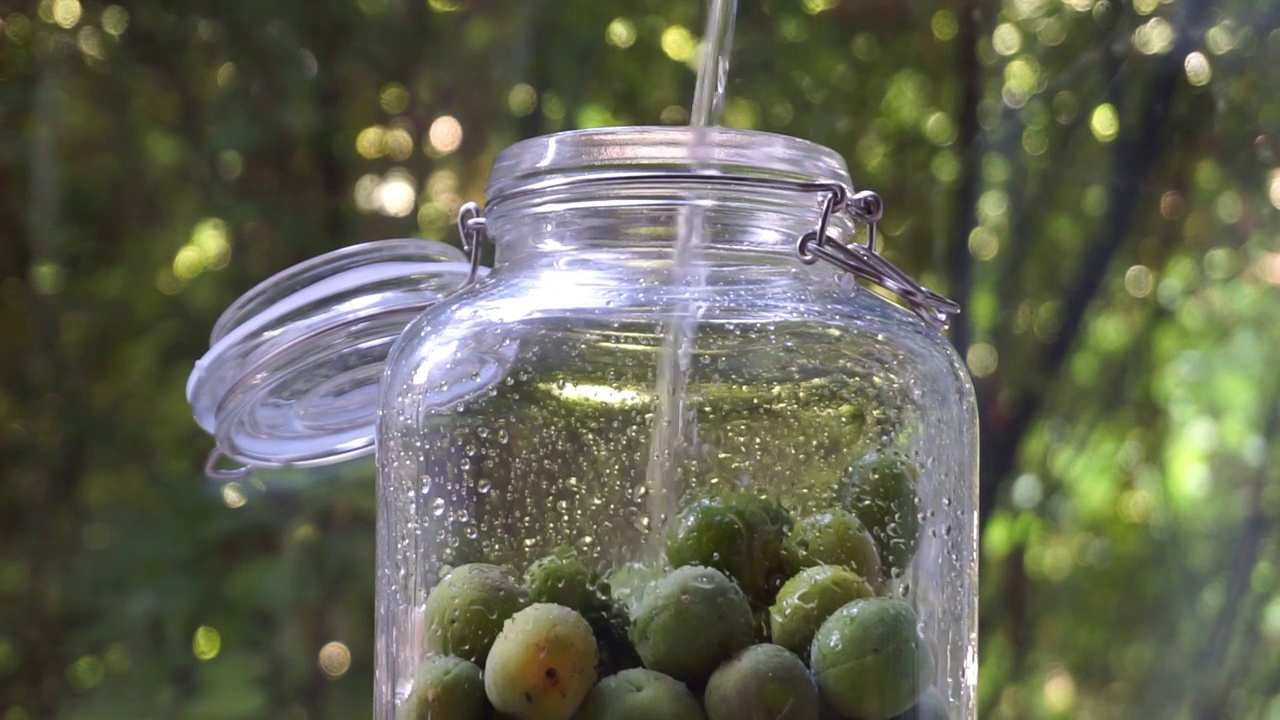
x,y
818,462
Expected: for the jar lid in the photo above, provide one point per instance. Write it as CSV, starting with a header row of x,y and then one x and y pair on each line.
x,y
292,372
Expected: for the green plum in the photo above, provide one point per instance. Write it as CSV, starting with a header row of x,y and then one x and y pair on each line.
x,y
562,579
881,492
629,581
690,622
466,609
763,682
808,599
833,537
542,665
930,707
640,694
739,534
869,659
445,688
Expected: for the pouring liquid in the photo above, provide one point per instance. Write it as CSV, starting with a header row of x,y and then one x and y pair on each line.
x,y
687,272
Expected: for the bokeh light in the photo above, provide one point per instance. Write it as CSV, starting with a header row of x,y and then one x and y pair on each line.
x,y
225,75
445,134
984,244
678,43
1273,187
1229,207
1059,687
115,20
334,659
1199,73
674,115
206,643
945,166
395,195
522,99
1171,205
620,33
1221,38
939,129
393,98
86,673
1139,281
207,249
982,359
233,496
945,25
89,41
1051,31
1007,39
1105,122
66,13
398,142
1154,37
813,7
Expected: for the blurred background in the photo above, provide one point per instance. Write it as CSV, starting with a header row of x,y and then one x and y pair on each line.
x,y
1095,181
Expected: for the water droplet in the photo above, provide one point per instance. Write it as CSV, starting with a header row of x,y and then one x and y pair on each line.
x,y
437,508
483,486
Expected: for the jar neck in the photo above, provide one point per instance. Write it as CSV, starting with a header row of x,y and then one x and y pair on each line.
x,y
647,227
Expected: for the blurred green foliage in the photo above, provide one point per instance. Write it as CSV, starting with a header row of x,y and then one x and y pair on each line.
x,y
1095,180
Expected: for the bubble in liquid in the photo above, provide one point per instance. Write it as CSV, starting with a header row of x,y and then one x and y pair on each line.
x,y
482,432
437,507
465,463
483,486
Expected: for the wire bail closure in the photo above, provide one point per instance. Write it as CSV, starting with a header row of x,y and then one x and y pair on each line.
x,y
863,207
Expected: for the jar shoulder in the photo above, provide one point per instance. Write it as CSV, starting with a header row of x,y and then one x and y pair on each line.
x,y
500,322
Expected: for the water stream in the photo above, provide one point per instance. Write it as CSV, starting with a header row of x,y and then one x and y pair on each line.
x,y
687,277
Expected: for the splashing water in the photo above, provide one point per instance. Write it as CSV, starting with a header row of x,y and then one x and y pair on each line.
x,y
687,276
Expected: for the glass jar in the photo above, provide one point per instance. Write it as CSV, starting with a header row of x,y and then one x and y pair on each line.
x,y
662,432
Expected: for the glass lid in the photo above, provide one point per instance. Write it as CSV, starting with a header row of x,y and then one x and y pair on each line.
x,y
292,372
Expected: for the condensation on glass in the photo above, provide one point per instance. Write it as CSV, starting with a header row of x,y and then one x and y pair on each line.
x,y
815,484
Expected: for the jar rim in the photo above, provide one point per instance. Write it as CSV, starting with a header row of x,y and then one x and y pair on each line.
x,y
744,152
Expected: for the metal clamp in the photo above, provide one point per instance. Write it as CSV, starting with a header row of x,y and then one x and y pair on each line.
x,y
471,227
864,207
863,261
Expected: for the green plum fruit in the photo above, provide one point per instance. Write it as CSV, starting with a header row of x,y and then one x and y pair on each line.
x,y
691,621
639,694
445,688
466,609
869,659
561,578
542,664
763,682
739,534
833,537
881,492
808,599
629,581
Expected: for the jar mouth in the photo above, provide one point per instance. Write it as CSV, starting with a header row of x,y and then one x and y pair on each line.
x,y
579,153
